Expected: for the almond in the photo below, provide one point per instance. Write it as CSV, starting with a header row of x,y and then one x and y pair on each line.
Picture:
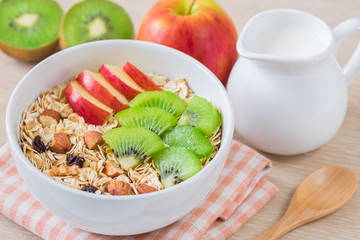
x,y
93,139
117,187
60,143
111,171
144,188
49,117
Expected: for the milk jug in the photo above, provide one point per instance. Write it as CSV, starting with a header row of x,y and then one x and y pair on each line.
x,y
287,89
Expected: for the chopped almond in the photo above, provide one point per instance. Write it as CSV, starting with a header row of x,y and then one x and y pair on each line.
x,y
93,139
49,117
117,187
144,188
111,171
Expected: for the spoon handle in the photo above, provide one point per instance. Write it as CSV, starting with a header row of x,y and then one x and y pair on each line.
x,y
295,216
287,223
281,227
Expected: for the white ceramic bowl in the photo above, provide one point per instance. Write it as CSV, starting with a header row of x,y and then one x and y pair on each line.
x,y
118,215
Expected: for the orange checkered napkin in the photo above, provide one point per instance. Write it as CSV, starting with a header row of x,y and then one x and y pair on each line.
x,y
240,192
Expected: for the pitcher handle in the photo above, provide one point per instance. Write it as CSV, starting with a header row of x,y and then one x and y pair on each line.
x,y
342,31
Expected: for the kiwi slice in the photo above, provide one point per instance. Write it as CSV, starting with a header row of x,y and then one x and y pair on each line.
x,y
92,20
176,164
131,145
155,119
190,138
165,100
202,115
29,29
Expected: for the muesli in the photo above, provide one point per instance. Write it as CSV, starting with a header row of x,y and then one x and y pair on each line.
x,y
63,146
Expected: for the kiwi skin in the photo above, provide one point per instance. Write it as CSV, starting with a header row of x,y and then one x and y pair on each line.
x,y
61,38
30,55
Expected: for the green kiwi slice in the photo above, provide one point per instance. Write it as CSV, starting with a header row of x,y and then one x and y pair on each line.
x,y
155,119
29,29
190,138
131,145
165,100
176,164
92,20
202,115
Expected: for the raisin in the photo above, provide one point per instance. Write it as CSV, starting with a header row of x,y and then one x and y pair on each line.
x,y
89,188
73,159
38,145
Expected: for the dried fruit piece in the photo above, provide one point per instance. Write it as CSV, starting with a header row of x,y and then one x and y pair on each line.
x,y
72,159
38,145
111,171
144,188
49,117
60,143
64,171
117,187
93,139
89,188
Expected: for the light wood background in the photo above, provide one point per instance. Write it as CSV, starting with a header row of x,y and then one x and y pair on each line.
x,y
288,172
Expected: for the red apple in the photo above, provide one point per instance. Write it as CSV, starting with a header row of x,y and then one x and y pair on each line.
x,y
200,28
98,87
85,105
120,80
140,78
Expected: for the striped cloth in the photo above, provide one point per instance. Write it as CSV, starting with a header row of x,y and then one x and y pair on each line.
x,y
240,192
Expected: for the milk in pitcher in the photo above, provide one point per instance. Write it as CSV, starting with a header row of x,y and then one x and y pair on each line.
x,y
289,41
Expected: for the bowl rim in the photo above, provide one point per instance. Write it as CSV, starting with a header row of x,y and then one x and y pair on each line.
x,y
17,151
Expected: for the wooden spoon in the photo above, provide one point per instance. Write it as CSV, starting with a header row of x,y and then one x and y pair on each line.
x,y
321,193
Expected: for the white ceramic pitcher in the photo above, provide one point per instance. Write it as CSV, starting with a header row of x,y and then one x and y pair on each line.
x,y
288,91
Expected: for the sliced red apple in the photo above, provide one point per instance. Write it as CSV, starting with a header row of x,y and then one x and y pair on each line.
x,y
102,90
120,80
85,105
140,78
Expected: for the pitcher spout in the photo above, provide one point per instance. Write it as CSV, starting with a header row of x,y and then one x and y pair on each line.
x,y
285,35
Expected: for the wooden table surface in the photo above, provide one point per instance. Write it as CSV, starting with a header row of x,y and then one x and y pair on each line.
x,y
288,171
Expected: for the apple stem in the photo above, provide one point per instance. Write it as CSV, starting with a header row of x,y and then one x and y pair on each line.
x,y
190,8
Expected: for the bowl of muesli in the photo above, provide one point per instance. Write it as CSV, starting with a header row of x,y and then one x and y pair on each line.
x,y
119,137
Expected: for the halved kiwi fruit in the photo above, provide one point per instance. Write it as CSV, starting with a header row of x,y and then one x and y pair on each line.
x,y
92,20
190,138
29,29
165,100
176,164
202,115
132,145
155,119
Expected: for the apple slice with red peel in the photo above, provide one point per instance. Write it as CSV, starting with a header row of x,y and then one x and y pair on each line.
x,y
85,105
120,80
140,78
103,91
